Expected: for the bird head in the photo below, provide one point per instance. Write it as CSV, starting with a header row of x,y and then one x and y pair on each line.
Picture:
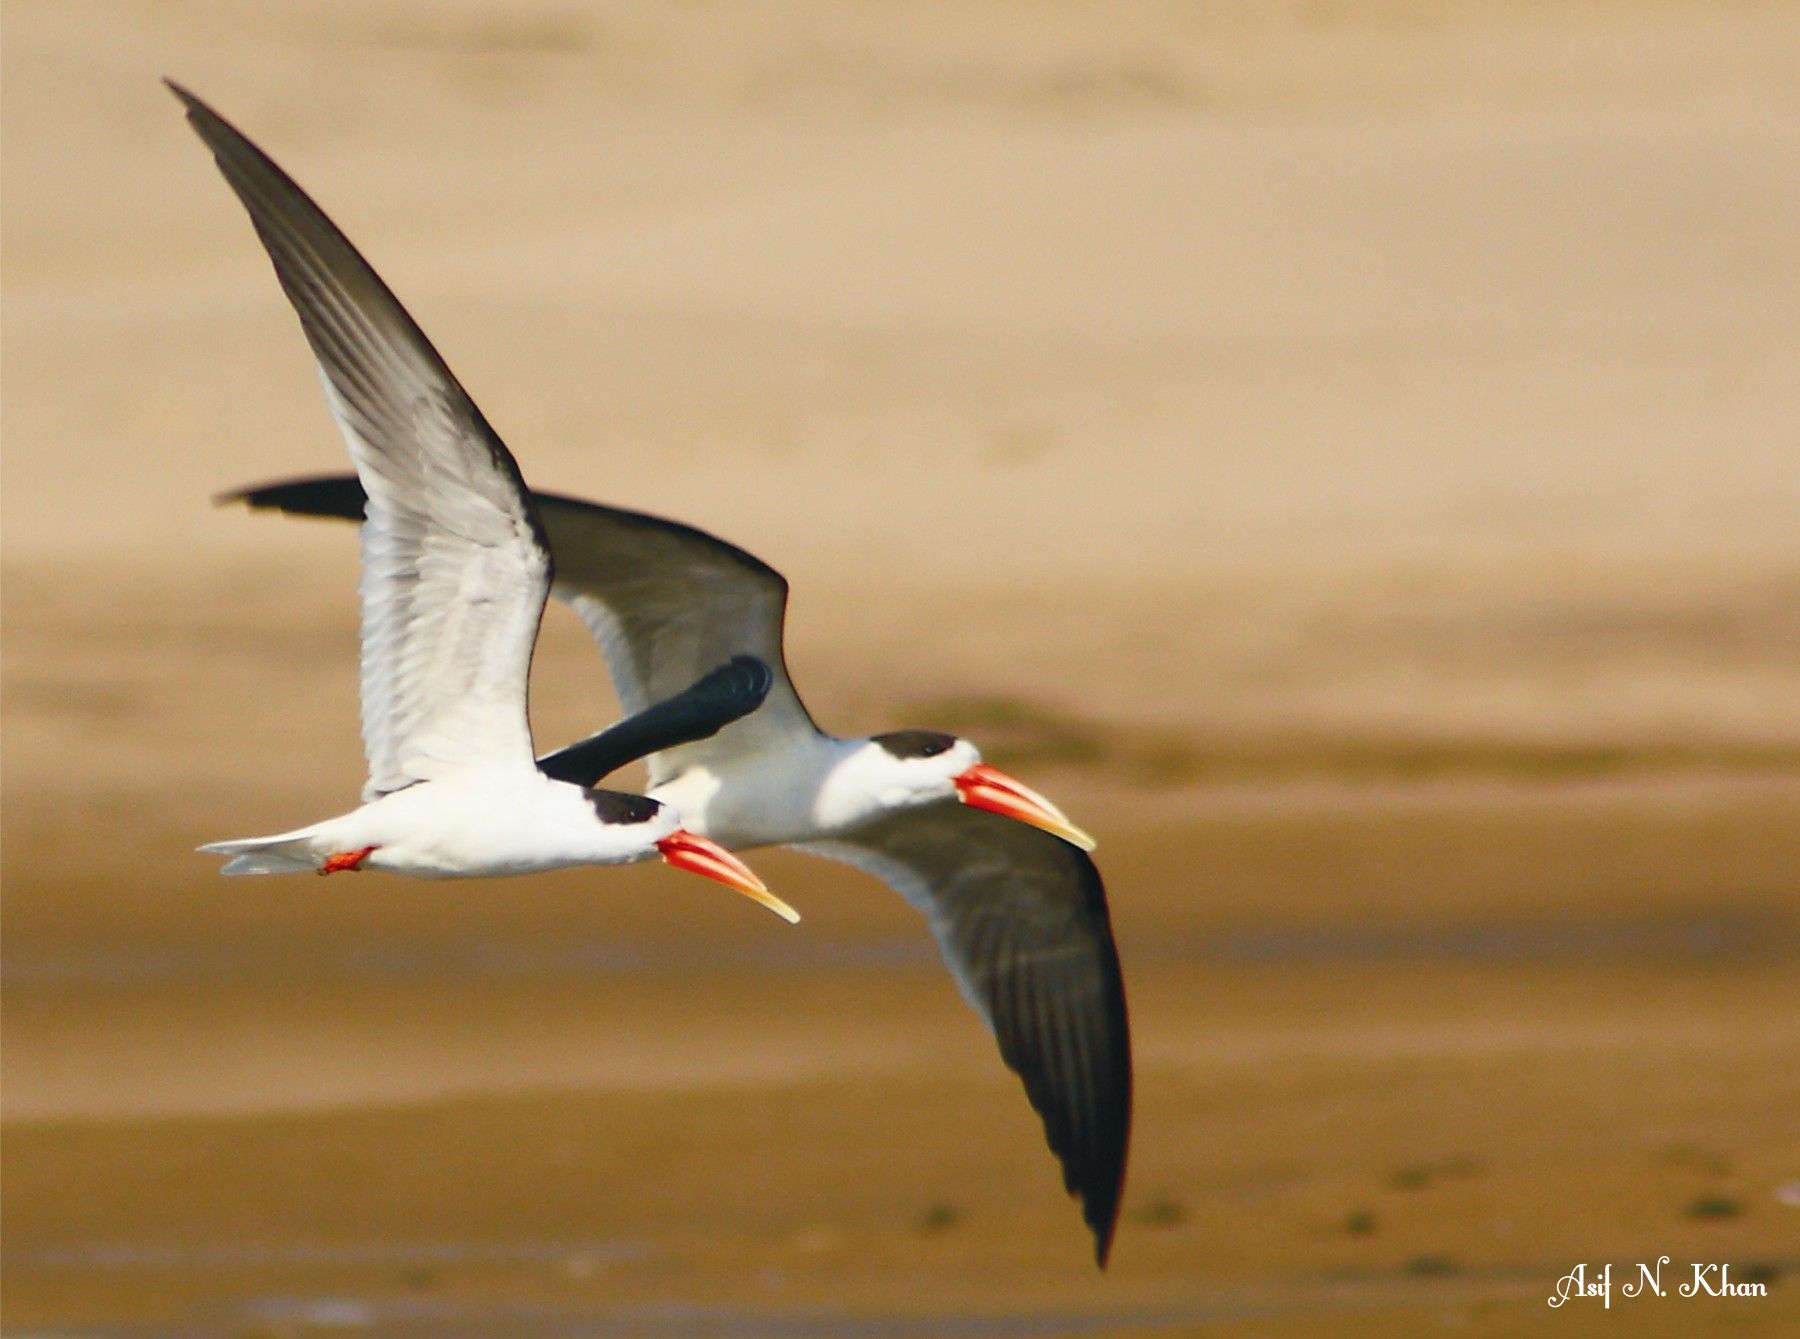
x,y
916,767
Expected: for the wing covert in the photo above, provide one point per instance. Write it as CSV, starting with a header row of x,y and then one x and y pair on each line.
x,y
666,602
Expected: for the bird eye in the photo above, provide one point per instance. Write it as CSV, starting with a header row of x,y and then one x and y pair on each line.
x,y
916,743
616,807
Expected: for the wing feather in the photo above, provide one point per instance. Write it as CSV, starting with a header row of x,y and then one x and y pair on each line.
x,y
1021,919
455,567
729,693
665,601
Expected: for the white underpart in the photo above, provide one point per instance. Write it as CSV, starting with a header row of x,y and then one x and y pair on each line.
x,y
486,824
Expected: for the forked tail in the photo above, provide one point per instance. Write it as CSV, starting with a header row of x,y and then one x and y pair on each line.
x,y
288,853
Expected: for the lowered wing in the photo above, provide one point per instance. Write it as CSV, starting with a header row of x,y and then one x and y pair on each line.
x,y
1020,916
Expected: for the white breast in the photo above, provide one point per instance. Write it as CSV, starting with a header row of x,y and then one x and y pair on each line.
x,y
797,791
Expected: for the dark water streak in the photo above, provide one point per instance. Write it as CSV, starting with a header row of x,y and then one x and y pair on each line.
x,y
1728,937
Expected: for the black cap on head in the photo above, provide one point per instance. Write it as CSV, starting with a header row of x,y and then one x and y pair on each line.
x,y
615,806
916,743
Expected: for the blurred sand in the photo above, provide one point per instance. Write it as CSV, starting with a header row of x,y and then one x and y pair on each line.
x,y
1346,453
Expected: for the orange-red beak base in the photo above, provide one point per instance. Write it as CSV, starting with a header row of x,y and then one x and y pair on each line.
x,y
989,788
697,855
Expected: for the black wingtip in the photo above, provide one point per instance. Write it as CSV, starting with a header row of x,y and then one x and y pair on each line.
x,y
229,145
754,676
339,496
196,106
1102,1203
1100,1208
1085,1101
1103,1238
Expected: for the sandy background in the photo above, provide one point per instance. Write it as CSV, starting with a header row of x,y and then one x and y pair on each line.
x,y
1347,454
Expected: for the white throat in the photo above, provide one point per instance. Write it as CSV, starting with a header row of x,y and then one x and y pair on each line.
x,y
811,787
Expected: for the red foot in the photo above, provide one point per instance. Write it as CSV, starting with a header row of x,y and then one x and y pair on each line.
x,y
346,860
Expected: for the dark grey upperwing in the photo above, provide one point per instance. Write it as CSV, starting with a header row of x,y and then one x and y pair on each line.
x,y
333,495
665,601
1020,917
698,712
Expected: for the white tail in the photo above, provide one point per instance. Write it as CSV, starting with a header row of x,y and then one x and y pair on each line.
x,y
287,853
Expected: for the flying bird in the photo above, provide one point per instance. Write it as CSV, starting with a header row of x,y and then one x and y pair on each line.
x,y
456,572
1003,879
1000,874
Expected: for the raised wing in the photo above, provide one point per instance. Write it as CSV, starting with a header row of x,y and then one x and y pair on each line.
x,y
698,712
1020,917
455,567
665,601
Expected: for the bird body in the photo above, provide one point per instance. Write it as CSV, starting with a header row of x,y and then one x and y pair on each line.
x,y
455,574
1002,878
477,824
1000,874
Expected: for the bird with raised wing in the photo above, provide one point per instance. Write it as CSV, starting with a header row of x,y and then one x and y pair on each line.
x,y
1003,879
1000,874
456,572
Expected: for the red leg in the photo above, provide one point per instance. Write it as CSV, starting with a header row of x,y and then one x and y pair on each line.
x,y
343,860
